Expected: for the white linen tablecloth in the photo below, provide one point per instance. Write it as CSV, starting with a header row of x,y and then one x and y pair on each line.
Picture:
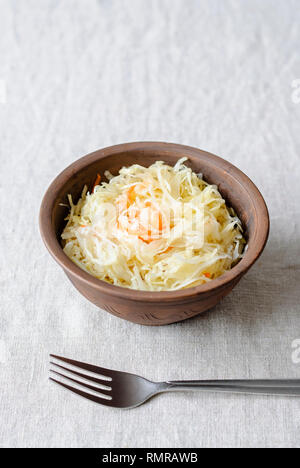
x,y
76,76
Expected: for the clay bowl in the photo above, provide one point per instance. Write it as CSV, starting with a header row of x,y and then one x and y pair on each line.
x,y
155,308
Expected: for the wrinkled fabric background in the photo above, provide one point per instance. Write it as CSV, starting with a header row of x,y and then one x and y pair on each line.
x,y
77,76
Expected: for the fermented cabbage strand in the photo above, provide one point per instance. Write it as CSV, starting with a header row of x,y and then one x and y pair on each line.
x,y
160,228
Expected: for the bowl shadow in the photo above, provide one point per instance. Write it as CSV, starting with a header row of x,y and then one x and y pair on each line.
x,y
271,286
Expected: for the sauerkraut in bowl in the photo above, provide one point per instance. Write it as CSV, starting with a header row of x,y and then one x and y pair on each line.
x,y
159,228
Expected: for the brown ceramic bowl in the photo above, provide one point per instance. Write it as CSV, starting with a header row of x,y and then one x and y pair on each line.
x,y
143,307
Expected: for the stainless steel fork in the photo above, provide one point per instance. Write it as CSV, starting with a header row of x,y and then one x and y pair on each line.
x,y
123,390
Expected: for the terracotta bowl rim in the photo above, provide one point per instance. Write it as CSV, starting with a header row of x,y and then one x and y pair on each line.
x,y
261,229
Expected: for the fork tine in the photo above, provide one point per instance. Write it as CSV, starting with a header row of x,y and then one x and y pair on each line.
x,y
101,401
91,387
84,365
85,376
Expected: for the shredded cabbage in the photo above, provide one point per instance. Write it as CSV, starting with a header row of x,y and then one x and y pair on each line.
x,y
154,229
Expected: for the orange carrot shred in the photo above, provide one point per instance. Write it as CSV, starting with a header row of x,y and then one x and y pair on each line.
x,y
98,179
160,221
208,275
130,193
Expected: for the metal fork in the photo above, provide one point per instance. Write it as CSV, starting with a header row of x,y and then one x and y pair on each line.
x,y
123,390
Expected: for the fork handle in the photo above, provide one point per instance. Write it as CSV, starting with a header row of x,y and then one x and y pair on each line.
x,y
267,387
